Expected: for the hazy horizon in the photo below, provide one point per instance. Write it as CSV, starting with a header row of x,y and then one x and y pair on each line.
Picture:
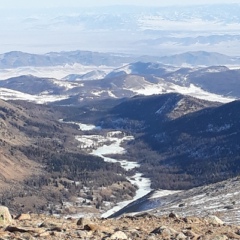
x,y
97,3
40,27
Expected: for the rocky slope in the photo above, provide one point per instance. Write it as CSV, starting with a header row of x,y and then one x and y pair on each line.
x,y
142,227
220,198
15,166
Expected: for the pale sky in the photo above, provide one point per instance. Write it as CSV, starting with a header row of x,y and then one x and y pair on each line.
x,y
90,3
54,25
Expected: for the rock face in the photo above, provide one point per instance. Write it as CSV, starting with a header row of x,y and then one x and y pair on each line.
x,y
142,227
5,216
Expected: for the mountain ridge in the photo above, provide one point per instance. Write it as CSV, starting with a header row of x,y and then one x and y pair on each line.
x,y
16,59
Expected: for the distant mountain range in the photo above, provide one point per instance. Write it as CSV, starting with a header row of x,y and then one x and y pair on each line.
x,y
200,58
17,59
216,83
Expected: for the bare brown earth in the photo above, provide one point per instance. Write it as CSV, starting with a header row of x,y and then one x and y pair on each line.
x,y
15,123
14,165
147,227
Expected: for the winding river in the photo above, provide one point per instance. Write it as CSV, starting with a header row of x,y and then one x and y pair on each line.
x,y
110,143
141,182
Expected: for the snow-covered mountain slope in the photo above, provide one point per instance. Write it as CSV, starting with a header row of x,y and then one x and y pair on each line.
x,y
211,83
7,94
92,75
33,85
142,68
216,79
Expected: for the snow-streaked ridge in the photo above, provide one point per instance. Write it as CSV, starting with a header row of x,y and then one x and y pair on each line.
x,y
192,90
8,94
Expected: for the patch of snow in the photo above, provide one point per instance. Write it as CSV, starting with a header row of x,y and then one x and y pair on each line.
x,y
98,93
143,185
165,105
162,193
93,75
149,89
192,90
116,134
90,141
111,94
201,94
233,67
212,128
82,126
125,68
87,127
215,70
114,148
8,94
67,85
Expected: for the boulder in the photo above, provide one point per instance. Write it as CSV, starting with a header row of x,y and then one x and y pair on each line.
x,y
173,215
18,229
23,216
238,232
214,220
181,236
119,235
190,234
165,231
82,234
91,227
83,221
5,216
97,227
44,234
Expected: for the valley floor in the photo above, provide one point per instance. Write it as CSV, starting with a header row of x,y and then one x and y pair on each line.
x,y
110,142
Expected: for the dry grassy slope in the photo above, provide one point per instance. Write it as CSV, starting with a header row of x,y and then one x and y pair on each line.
x,y
17,121
13,165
